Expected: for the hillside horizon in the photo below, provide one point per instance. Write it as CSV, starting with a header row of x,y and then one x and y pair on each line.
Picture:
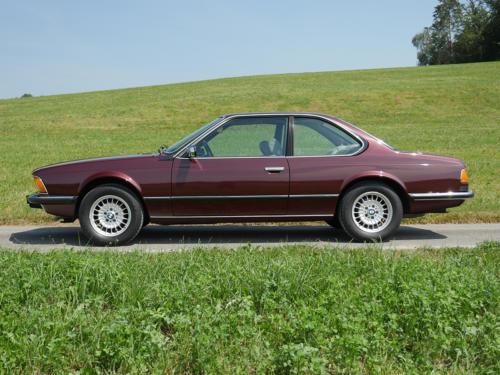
x,y
448,109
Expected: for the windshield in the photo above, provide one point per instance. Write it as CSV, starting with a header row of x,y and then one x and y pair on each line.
x,y
177,146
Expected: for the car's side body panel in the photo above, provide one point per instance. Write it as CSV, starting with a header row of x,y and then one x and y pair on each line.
x,y
230,186
177,189
320,194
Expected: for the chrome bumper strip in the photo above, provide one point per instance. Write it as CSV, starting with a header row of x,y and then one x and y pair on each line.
x,y
451,195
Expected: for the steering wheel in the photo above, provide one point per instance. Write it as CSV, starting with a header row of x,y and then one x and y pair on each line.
x,y
203,150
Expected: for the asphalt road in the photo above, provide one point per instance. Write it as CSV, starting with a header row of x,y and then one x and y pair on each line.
x,y
168,238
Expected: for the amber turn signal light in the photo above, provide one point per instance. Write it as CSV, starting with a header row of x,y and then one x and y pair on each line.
x,y
40,185
463,176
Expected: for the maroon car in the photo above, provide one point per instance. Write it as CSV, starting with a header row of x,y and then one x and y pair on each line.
x,y
255,167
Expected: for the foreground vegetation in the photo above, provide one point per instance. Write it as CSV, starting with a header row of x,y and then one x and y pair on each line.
x,y
452,110
294,309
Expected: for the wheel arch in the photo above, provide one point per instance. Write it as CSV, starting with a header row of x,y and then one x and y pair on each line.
x,y
128,183
392,181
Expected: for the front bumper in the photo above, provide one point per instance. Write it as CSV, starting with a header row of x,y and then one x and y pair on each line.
x,y
39,200
447,196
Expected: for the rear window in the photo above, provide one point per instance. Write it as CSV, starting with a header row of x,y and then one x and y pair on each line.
x,y
315,137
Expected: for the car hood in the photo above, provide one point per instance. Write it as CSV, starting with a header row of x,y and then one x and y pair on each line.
x,y
96,160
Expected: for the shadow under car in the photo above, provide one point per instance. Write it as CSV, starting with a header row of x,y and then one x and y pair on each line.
x,y
213,235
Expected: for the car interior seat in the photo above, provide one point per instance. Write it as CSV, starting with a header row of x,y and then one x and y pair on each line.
x,y
270,148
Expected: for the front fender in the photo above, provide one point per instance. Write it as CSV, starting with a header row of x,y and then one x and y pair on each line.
x,y
109,174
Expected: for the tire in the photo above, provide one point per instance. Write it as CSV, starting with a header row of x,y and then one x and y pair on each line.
x,y
110,215
370,211
334,222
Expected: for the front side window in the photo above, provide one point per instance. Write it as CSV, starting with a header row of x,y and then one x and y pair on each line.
x,y
314,137
246,137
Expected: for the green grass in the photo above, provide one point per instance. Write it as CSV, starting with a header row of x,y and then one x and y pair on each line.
x,y
283,310
452,110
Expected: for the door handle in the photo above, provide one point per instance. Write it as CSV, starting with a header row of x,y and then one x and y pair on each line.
x,y
274,169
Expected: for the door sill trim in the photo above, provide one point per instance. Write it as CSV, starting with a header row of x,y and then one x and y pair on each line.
x,y
319,216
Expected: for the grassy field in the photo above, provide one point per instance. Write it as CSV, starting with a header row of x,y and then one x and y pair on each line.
x,y
284,310
452,110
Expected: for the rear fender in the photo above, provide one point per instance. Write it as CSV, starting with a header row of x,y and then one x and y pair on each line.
x,y
372,175
379,176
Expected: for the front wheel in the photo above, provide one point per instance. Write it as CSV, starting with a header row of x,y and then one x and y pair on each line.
x,y
370,211
110,215
334,222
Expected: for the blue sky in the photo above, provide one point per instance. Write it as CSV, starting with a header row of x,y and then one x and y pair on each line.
x,y
53,47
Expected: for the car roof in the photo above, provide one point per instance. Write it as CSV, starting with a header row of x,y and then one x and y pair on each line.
x,y
360,133
276,114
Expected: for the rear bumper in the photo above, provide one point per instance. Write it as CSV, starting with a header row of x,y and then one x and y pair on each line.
x,y
39,200
447,196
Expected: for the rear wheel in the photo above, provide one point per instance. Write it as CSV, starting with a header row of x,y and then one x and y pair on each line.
x,y
110,215
370,211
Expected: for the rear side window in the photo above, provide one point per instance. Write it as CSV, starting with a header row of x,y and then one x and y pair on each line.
x,y
315,137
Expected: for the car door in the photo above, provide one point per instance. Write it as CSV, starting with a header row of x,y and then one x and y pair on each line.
x,y
319,165
239,169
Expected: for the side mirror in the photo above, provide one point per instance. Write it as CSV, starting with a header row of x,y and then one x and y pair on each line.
x,y
163,149
191,152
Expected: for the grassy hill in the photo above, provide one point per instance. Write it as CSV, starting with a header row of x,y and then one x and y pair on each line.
x,y
452,110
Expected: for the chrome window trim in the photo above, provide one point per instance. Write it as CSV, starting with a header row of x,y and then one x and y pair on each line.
x,y
221,197
275,157
450,195
363,141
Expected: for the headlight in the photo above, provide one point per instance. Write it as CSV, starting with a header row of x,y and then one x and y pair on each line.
x,y
40,185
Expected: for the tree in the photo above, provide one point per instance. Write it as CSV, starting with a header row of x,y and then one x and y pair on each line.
x,y
470,42
435,44
423,43
460,33
492,31
447,24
